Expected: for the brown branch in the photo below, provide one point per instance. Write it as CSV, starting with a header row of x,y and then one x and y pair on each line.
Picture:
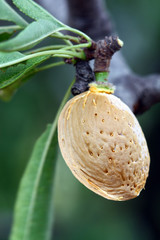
x,y
139,93
91,17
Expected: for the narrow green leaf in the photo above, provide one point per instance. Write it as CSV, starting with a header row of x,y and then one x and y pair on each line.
x,y
9,14
7,59
34,207
31,35
33,217
11,74
35,11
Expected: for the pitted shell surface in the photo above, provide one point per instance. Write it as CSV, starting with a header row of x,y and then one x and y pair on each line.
x,y
103,145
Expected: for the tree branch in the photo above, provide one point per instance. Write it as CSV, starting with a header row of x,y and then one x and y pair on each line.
x,y
91,17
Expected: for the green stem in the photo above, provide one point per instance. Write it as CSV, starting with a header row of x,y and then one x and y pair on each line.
x,y
65,52
101,76
80,34
101,83
66,37
59,52
65,40
89,40
59,47
53,53
63,55
50,47
78,46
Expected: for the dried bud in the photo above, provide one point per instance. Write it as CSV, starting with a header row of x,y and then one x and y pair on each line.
x,y
84,75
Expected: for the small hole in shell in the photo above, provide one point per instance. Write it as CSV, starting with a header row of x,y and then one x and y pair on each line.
x,y
90,152
112,149
98,154
108,112
87,133
111,134
129,162
106,170
120,148
103,120
126,146
95,114
63,141
101,147
115,118
127,184
110,159
101,132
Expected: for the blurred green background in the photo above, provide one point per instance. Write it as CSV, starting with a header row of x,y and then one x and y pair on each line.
x,y
79,213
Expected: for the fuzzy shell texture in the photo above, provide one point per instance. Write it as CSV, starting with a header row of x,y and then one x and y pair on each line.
x,y
103,145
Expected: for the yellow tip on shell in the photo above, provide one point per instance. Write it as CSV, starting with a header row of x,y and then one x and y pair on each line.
x,y
96,89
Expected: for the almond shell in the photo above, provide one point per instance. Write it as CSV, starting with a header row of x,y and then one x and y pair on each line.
x,y
102,143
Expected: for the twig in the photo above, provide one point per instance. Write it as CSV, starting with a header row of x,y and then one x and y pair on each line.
x,y
139,93
91,17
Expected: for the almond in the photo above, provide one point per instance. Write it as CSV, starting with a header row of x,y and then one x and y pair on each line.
x,y
102,143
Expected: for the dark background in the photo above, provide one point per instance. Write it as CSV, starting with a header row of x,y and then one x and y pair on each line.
x,y
80,213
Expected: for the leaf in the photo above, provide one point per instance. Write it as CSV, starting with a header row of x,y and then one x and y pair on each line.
x,y
7,31
7,59
31,35
11,74
34,208
35,11
9,14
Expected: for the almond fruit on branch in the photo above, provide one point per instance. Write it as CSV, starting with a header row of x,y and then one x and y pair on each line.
x,y
100,138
